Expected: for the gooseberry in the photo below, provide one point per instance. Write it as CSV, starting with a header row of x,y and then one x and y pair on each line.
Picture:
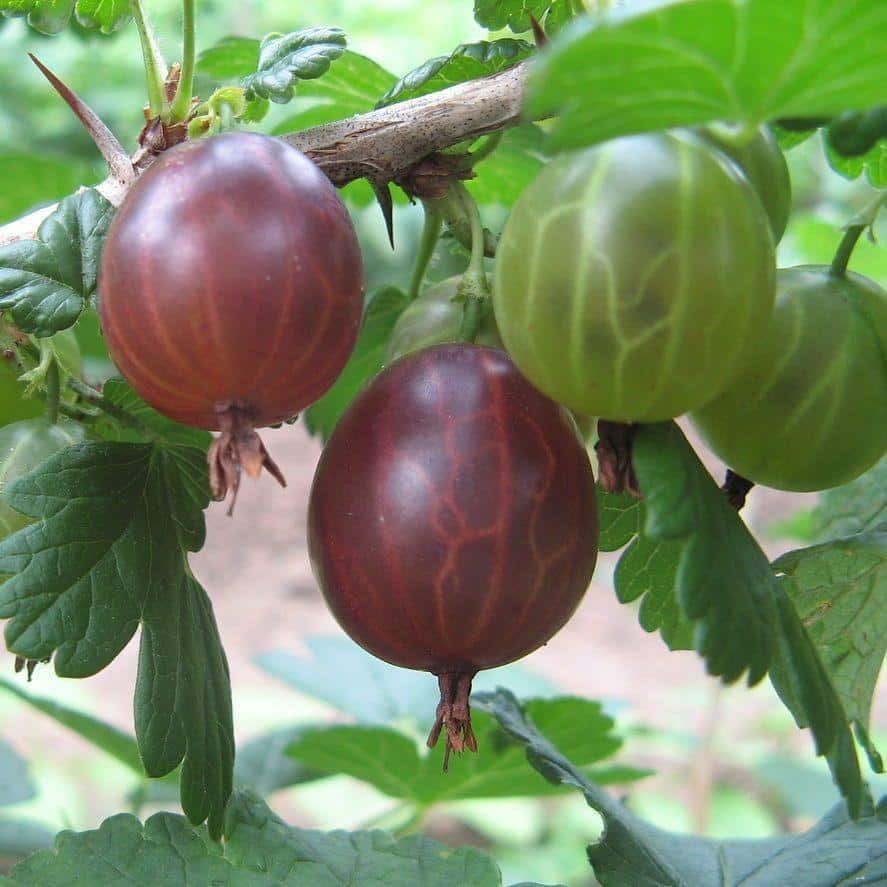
x,y
452,524
811,411
231,291
632,278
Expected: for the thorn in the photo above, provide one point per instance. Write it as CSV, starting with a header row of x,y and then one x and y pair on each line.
x,y
110,148
539,35
383,195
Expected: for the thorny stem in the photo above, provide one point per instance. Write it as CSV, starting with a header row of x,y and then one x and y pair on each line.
x,y
110,148
155,66
53,391
427,243
181,105
851,236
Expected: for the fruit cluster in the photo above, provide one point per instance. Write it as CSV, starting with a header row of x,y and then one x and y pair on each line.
x,y
452,520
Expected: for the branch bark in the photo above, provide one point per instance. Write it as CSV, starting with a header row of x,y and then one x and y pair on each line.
x,y
381,145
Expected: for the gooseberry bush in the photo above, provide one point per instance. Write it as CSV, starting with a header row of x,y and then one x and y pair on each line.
x,y
484,437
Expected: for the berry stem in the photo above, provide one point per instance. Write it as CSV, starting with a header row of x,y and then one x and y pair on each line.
x,y
53,391
454,715
854,231
614,453
181,104
155,66
427,242
473,287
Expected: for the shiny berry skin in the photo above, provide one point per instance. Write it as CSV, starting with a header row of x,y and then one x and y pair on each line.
x,y
231,285
452,524
632,278
762,162
811,411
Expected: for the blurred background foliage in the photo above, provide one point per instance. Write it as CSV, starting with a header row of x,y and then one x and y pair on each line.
x,y
748,789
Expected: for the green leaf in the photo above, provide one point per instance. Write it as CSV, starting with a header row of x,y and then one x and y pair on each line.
x,y
109,552
618,517
503,176
109,739
468,61
372,691
854,508
694,61
515,14
106,15
53,16
31,178
259,851
650,569
839,590
232,58
45,283
390,761
633,853
15,780
286,58
384,306
803,684
723,579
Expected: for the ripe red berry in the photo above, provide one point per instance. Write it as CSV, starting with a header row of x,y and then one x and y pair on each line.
x,y
231,291
452,524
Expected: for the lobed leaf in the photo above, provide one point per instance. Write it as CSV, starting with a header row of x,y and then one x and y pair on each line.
x,y
619,516
390,761
468,61
259,850
515,14
384,306
725,584
694,61
854,508
723,579
53,16
839,590
46,283
633,853
286,58
649,569
109,551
